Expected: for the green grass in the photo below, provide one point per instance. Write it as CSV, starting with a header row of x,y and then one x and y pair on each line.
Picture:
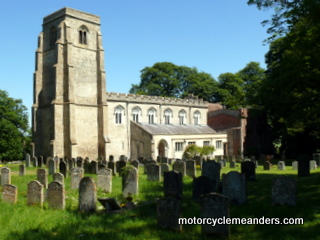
x,y
21,222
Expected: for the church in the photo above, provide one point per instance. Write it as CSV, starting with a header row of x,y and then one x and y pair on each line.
x,y
73,114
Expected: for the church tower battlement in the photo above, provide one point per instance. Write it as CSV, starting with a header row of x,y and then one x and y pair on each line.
x,y
69,112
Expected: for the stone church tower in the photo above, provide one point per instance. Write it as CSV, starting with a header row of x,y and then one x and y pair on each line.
x,y
69,114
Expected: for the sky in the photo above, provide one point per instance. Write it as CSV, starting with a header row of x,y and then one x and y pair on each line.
x,y
215,36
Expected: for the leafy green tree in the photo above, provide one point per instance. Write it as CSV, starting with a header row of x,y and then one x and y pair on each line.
x,y
14,135
169,80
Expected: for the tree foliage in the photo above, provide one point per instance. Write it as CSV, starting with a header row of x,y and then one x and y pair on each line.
x,y
14,136
193,150
169,80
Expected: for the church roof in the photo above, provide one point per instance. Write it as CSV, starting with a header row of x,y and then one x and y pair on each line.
x,y
176,129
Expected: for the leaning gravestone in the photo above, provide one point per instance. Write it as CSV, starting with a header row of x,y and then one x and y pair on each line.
x,y
56,195
87,195
215,206
172,184
22,170
104,180
211,169
191,168
153,172
180,166
248,168
169,212
281,165
284,191
234,187
52,166
130,181
42,177
164,167
266,165
58,177
5,176
76,175
35,194
200,186
9,193
313,165
295,165
27,160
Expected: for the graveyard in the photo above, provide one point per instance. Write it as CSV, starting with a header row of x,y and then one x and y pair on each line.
x,y
139,217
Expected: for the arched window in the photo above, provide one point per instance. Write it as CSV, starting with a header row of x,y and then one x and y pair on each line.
x,y
196,117
136,113
118,114
167,116
182,117
83,35
53,36
152,115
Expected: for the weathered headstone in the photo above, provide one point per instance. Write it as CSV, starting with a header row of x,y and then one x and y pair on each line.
x,y
27,158
104,180
63,168
22,170
5,176
266,165
35,193
232,164
9,193
58,177
234,187
93,167
201,185
215,206
121,164
169,212
211,169
284,191
79,162
35,161
51,166
135,163
313,165
248,168
164,167
153,172
295,165
191,168
172,184
180,166
130,181
164,160
86,166
281,165
112,166
56,196
87,195
42,177
222,163
76,174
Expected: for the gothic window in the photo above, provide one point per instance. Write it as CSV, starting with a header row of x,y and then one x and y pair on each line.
x,y
151,115
53,36
196,117
136,113
182,117
83,35
167,116
118,114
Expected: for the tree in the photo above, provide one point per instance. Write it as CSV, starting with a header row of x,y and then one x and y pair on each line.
x,y
14,135
169,80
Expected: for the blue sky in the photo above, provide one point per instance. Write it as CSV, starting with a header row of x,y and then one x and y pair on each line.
x,y
215,36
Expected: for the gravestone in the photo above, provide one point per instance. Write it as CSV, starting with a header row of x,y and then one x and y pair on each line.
x,y
35,161
248,168
58,177
111,158
283,191
232,164
86,166
164,167
281,165
56,196
211,169
27,158
22,170
295,165
153,172
42,177
313,165
112,166
303,166
234,187
56,162
130,181
93,167
52,167
164,160
121,164
40,161
35,194
222,163
79,162
180,166
316,157
266,165
191,168
76,174
172,184
63,168
122,158
201,185
5,176
215,206
9,193
70,163
104,180
135,163
169,212
87,195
